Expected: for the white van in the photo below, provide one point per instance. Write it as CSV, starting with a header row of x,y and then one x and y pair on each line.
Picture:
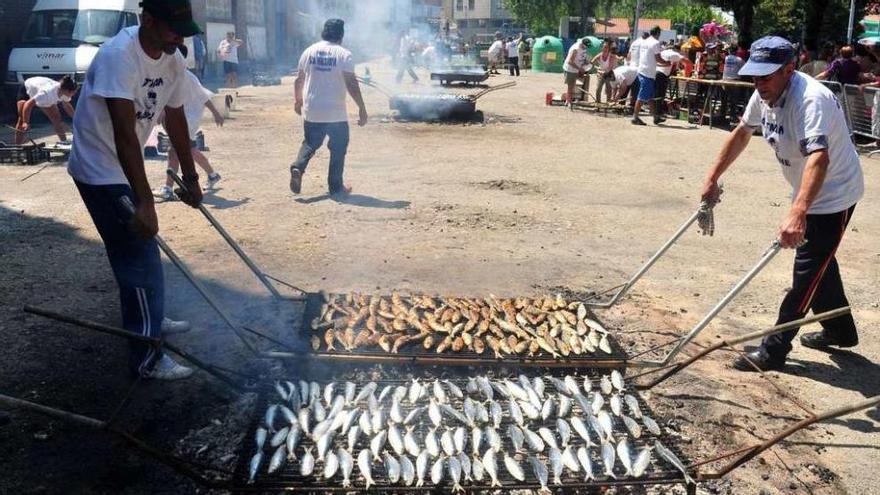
x,y
63,36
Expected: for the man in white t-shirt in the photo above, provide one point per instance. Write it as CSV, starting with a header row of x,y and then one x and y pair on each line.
x,y
405,58
806,127
624,77
661,82
648,60
326,72
227,51
575,66
134,77
496,54
513,55
45,94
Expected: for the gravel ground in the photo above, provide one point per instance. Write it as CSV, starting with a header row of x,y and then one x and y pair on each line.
x,y
527,200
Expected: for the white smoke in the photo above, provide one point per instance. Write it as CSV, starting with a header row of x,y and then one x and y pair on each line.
x,y
372,27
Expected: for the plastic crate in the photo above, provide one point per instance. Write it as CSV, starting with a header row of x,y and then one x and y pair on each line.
x,y
27,154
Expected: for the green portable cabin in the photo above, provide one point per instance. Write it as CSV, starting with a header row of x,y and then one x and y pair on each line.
x,y
547,54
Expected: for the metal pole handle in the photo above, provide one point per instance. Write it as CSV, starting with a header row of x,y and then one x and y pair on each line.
x,y
229,240
126,202
768,255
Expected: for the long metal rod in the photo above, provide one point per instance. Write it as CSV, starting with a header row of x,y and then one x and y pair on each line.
x,y
761,447
739,340
648,264
772,251
118,332
194,281
169,460
229,240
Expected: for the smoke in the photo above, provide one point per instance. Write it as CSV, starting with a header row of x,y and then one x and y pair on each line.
x,y
372,27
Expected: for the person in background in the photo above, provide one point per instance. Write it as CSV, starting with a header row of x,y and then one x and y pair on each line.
x,y
45,94
227,51
196,99
625,77
710,63
134,77
649,59
326,71
200,54
732,98
673,57
867,60
605,63
496,54
732,64
575,66
513,54
694,45
524,51
803,122
844,70
430,55
405,58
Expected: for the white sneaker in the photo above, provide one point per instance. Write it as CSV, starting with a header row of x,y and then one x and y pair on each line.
x,y
170,326
164,193
213,179
167,369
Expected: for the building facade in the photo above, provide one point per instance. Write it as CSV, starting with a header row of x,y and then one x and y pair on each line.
x,y
478,17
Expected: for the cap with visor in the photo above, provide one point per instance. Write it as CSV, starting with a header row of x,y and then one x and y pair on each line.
x,y
177,13
767,55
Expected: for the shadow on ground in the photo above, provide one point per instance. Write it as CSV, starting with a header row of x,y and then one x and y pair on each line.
x,y
49,264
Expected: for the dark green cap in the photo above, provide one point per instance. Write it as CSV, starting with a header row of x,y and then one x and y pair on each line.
x,y
177,13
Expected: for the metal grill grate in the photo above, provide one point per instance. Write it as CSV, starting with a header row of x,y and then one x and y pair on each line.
x,y
289,479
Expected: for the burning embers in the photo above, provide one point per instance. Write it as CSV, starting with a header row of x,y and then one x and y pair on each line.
x,y
480,432
548,326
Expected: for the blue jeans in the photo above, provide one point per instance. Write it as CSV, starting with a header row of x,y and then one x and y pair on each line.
x,y
314,134
136,265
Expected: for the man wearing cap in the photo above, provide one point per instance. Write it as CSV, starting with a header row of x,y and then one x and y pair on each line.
x,y
134,77
805,125
326,72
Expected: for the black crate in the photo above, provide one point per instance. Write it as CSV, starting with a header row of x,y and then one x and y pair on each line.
x,y
28,154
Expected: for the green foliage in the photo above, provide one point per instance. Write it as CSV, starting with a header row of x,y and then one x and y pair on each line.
x,y
779,17
683,15
541,16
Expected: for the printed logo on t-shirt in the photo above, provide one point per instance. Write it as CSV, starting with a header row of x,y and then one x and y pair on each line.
x,y
323,61
152,99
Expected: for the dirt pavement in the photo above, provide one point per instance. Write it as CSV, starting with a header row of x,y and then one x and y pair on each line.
x,y
533,199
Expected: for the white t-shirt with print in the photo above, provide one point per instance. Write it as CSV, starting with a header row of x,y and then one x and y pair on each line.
x,y
671,56
580,58
512,50
808,118
323,65
43,90
121,69
625,74
649,48
229,51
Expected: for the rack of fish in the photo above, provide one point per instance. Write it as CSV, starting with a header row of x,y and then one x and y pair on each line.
x,y
472,433
545,328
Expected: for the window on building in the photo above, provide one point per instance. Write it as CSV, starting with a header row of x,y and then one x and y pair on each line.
x,y
471,4
459,4
256,13
218,9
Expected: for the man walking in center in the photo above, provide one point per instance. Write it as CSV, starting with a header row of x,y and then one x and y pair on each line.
x,y
326,72
804,124
133,77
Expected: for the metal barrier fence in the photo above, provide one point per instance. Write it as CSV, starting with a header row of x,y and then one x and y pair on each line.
x,y
860,106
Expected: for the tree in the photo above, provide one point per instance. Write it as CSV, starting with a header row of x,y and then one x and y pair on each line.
x,y
541,16
743,13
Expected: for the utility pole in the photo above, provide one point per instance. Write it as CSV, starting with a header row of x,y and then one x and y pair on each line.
x,y
635,27
852,15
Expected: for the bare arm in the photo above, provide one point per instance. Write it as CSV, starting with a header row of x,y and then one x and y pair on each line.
x,y
298,92
218,117
131,158
792,231
178,134
660,60
822,75
733,146
68,108
354,89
